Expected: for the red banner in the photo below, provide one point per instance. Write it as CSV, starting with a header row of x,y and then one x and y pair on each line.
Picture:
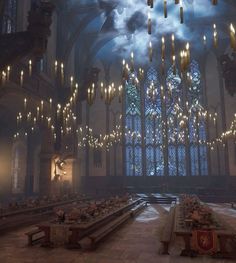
x,y
204,241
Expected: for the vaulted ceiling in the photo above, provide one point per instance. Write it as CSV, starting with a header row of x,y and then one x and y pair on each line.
x,y
108,29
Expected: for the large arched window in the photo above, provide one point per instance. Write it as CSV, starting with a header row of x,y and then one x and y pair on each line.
x,y
153,124
9,19
173,145
133,123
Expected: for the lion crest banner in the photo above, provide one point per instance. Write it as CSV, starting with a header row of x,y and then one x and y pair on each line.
x,y
204,241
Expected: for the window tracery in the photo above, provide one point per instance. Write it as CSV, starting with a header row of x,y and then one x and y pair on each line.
x,y
9,20
167,140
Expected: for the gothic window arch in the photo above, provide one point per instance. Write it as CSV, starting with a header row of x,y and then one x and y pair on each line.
x,y
133,123
153,124
197,125
155,116
9,19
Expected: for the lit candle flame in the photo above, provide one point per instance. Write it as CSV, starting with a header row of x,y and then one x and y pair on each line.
x,y
232,29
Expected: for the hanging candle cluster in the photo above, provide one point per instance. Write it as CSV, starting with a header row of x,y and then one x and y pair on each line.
x,y
86,138
199,118
229,134
215,36
30,120
91,94
109,93
47,113
150,3
185,58
152,91
129,74
185,116
184,54
69,123
42,115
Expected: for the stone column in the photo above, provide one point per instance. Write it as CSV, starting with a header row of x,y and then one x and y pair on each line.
x,y
143,130
223,116
107,81
45,173
46,158
206,106
87,148
29,169
187,142
123,130
75,175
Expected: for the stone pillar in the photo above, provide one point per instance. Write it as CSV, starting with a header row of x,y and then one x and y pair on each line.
x,y
87,148
143,130
206,106
75,175
107,82
46,158
223,118
45,173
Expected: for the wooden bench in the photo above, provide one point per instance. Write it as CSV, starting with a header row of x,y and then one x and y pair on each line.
x,y
167,231
91,241
138,208
31,234
78,232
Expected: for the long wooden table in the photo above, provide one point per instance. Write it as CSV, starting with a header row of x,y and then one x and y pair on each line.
x,y
40,208
30,216
75,231
224,233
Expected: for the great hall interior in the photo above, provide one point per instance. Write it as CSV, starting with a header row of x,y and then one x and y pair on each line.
x,y
117,131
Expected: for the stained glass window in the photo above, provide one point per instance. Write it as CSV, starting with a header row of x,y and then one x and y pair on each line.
x,y
154,113
133,131
172,165
9,19
181,160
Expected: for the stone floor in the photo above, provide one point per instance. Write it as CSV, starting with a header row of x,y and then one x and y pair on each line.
x,y
136,242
